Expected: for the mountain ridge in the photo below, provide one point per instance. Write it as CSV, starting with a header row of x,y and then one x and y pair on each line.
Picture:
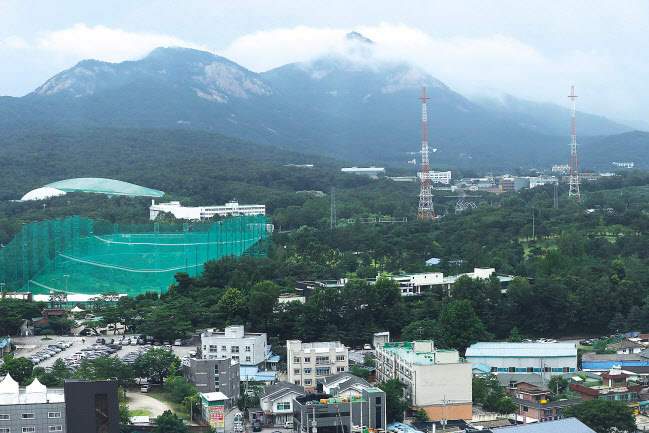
x,y
334,106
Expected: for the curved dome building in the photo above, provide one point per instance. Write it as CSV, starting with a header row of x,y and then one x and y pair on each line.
x,y
42,193
96,185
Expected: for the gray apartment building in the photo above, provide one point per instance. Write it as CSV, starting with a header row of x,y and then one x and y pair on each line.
x,y
337,414
80,407
213,375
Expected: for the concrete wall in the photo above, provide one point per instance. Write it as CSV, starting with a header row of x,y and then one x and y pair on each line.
x,y
436,382
201,374
452,411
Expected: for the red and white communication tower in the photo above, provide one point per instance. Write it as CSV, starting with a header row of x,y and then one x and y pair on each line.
x,y
573,193
426,209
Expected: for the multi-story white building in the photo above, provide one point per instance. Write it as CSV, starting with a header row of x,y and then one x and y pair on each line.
x,y
310,363
536,181
541,358
415,284
205,212
439,381
438,176
249,349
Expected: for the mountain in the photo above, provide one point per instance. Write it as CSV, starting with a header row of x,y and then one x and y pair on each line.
x,y
347,106
549,118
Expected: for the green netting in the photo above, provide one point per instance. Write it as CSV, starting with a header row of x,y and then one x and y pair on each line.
x,y
89,257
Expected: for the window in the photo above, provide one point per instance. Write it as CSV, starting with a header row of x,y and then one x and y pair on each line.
x,y
28,416
296,371
308,382
322,360
101,413
297,382
236,358
547,370
214,348
340,358
283,405
54,414
526,409
224,349
247,359
29,429
323,371
340,369
296,359
235,349
494,369
5,430
566,369
307,359
512,369
307,371
247,348
55,428
530,369
558,410
4,416
547,412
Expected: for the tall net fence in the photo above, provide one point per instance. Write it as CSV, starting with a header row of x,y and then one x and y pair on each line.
x,y
83,256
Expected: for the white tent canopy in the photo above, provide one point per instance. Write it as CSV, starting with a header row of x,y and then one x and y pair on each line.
x,y
76,309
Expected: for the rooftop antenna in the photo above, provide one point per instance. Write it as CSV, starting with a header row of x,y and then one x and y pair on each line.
x,y
333,207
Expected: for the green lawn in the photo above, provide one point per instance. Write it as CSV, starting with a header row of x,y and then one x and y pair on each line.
x,y
160,394
140,412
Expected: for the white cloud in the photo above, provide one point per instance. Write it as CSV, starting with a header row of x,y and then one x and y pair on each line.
x,y
104,43
474,66
13,42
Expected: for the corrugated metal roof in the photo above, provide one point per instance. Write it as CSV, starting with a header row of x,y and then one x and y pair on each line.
x,y
521,350
568,425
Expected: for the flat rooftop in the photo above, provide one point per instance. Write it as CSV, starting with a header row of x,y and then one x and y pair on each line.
x,y
407,353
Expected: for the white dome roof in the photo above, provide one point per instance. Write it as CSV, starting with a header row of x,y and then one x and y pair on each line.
x,y
42,193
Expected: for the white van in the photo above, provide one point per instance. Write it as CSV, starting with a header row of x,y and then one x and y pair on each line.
x,y
288,425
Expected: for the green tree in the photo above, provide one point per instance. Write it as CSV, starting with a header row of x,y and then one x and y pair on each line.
x,y
505,406
514,336
395,405
124,419
61,325
603,416
20,369
460,326
359,371
169,423
156,364
558,384
179,388
421,415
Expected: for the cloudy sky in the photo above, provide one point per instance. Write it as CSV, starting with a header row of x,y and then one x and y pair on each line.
x,y
531,49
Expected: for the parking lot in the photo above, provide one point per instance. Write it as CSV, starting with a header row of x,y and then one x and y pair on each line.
x,y
71,349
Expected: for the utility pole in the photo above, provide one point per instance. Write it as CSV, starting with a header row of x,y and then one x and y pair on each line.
x,y
556,195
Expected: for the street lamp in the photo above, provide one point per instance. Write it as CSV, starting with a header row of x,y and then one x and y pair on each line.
x,y
66,276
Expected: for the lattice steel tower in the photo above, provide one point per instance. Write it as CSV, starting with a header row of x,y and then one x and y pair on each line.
x,y
426,209
573,194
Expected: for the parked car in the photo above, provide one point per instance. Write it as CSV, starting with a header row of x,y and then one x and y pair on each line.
x,y
288,425
145,388
367,347
256,425
178,342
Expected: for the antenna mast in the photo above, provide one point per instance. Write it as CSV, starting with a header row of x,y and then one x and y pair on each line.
x,y
426,210
574,172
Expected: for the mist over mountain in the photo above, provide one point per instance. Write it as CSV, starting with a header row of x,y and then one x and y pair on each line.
x,y
343,106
